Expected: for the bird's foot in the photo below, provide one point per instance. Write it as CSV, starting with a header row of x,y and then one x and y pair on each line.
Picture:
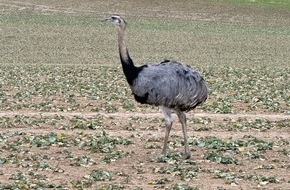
x,y
162,154
186,155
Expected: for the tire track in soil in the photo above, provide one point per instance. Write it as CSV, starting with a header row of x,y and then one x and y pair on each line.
x,y
145,133
215,116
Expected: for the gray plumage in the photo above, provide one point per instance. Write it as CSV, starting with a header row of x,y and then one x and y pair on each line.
x,y
171,85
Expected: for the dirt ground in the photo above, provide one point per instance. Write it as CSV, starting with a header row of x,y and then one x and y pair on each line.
x,y
139,168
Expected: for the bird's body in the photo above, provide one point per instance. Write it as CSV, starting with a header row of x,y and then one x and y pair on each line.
x,y
168,84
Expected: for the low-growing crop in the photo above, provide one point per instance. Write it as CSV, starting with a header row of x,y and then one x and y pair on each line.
x,y
68,119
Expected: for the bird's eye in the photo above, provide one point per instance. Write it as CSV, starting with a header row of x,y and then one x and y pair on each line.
x,y
116,19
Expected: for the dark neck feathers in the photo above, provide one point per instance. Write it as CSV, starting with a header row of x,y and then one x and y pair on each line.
x,y
131,72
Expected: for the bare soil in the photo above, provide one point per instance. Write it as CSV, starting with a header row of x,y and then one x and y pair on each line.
x,y
138,168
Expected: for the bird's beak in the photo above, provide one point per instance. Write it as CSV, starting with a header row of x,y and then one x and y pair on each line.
x,y
107,20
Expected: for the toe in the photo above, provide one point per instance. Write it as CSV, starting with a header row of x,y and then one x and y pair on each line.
x,y
186,155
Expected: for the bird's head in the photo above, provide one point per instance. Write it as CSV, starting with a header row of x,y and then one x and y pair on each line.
x,y
116,20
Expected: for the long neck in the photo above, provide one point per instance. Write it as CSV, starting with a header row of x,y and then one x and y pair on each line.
x,y
124,54
129,69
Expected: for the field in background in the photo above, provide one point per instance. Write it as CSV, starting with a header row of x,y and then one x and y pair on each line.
x,y
284,4
68,120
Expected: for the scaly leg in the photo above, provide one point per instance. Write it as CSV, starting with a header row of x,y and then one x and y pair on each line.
x,y
168,124
182,119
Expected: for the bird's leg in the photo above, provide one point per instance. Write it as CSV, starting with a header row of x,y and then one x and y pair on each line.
x,y
168,124
182,119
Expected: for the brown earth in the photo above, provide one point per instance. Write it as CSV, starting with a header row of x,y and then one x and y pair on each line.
x,y
138,168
